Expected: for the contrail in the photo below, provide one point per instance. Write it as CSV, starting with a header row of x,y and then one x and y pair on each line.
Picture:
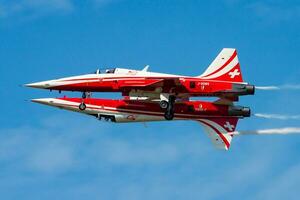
x,y
279,131
276,116
280,87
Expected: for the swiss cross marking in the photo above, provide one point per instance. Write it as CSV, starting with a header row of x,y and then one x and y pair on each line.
x,y
234,73
229,126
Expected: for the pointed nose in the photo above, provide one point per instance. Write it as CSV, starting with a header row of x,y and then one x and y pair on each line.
x,y
46,101
40,85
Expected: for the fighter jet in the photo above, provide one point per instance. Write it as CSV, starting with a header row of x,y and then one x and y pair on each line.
x,y
219,121
223,79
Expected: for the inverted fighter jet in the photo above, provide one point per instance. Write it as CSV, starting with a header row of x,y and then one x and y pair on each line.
x,y
219,121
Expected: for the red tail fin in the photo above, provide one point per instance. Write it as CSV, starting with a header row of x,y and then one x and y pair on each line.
x,y
219,130
225,67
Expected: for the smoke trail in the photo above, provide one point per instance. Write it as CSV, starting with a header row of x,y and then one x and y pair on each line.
x,y
277,116
280,131
267,88
280,87
291,87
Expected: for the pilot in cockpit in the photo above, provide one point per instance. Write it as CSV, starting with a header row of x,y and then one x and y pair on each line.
x,y
109,71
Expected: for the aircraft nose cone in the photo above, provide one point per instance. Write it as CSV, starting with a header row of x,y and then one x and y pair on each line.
x,y
46,101
40,85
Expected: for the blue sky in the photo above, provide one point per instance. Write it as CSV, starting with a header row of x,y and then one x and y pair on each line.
x,y
47,153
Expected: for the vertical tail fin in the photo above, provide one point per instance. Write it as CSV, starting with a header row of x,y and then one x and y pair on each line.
x,y
225,67
219,130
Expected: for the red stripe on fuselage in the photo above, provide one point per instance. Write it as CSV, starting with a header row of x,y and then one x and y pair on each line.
x,y
149,109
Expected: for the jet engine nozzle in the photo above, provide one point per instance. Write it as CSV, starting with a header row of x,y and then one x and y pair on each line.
x,y
250,89
239,111
242,89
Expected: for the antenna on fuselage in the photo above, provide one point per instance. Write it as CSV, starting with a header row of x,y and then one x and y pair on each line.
x,y
146,68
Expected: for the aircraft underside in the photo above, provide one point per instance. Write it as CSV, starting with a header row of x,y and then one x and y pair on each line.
x,y
150,96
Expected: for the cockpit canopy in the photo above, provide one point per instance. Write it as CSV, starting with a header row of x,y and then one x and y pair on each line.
x,y
105,71
115,71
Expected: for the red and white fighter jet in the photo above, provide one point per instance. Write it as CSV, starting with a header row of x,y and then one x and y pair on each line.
x,y
223,78
219,121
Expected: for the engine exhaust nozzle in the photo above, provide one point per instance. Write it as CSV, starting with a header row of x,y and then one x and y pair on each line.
x,y
242,89
250,89
239,111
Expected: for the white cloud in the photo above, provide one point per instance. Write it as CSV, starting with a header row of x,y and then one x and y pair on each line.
x,y
51,4
35,149
284,186
103,2
29,9
34,8
124,153
275,12
142,164
51,156
268,11
52,146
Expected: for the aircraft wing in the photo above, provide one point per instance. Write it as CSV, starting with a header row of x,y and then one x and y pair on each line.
x,y
156,82
170,82
219,130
